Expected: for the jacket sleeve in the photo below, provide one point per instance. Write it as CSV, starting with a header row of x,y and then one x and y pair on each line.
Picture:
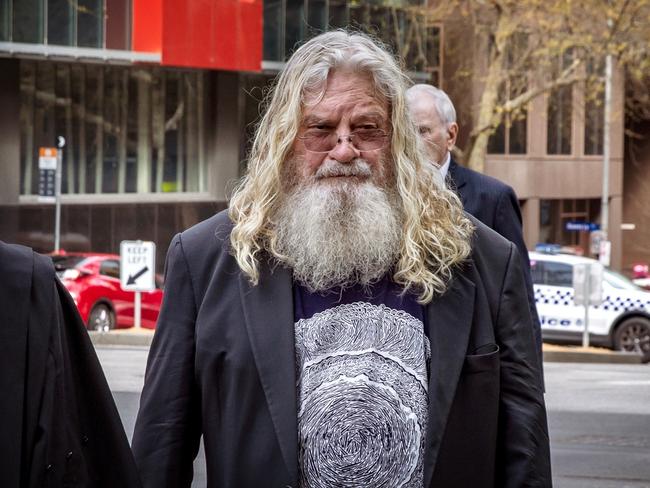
x,y
523,454
168,429
507,222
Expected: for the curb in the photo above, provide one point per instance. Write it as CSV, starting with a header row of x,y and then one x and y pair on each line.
x,y
606,357
128,337
120,338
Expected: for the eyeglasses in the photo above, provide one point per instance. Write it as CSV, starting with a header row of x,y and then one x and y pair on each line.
x,y
323,141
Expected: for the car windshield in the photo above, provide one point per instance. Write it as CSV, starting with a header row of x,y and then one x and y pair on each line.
x,y
61,263
621,282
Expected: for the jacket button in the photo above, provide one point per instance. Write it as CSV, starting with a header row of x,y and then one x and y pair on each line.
x,y
84,439
49,467
68,456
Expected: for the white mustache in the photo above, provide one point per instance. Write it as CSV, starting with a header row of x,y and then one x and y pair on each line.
x,y
358,167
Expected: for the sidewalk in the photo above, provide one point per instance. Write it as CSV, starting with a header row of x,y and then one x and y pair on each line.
x,y
552,352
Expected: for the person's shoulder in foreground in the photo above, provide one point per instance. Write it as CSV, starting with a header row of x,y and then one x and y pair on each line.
x,y
344,323
59,423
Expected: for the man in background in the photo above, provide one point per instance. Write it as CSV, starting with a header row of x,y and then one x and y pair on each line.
x,y
491,201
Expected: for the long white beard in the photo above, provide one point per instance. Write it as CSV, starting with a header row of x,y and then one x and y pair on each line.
x,y
337,234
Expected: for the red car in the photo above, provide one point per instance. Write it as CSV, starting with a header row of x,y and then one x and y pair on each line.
x,y
93,280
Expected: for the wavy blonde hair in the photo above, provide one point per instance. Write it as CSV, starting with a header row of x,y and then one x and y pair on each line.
x,y
436,233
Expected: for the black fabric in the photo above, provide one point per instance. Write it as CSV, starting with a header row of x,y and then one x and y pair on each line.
x,y
59,424
222,364
495,204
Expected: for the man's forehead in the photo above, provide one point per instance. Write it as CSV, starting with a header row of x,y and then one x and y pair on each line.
x,y
346,100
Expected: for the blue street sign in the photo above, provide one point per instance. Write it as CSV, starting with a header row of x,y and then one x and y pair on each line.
x,y
576,226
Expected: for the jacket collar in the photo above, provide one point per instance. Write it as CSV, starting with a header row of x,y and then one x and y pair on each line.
x,y
456,174
269,324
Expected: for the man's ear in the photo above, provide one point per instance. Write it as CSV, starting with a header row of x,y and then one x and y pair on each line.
x,y
452,134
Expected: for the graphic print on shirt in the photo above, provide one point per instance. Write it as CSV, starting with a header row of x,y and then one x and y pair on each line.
x,y
362,397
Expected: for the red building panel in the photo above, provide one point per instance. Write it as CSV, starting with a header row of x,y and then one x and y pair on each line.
x,y
213,34
146,35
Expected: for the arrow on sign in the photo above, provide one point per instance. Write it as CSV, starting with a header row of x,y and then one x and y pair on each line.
x,y
133,278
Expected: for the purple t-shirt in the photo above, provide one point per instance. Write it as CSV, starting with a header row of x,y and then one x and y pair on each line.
x,y
361,361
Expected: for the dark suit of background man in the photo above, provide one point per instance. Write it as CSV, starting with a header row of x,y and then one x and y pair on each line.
x,y
344,323
58,423
491,201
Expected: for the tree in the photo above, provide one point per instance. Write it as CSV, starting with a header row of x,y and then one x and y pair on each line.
x,y
529,48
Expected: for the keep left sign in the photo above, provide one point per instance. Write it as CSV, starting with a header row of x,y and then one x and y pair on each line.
x,y
138,265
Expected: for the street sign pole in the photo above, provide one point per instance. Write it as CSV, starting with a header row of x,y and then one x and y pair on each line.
x,y
57,195
137,313
57,211
587,288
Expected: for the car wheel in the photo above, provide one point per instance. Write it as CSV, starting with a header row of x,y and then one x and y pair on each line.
x,y
633,335
101,318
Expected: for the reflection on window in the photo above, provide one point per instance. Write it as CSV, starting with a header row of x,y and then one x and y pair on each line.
x,y
594,112
110,268
61,18
89,23
27,21
537,272
560,105
399,24
127,129
67,22
273,29
510,137
558,274
5,20
295,25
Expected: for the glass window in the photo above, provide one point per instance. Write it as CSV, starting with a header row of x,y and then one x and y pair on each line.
x,y
537,272
559,121
594,110
5,20
558,274
273,30
127,130
89,23
339,13
110,268
61,22
560,113
28,21
295,27
317,14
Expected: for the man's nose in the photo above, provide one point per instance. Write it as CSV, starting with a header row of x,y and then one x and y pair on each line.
x,y
344,151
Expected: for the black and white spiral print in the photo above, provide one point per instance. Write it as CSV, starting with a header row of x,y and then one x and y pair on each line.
x,y
362,393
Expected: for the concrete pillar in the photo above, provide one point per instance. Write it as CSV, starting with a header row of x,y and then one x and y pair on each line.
x,y
224,152
530,217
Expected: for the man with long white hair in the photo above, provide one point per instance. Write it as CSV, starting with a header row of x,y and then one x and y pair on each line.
x,y
342,325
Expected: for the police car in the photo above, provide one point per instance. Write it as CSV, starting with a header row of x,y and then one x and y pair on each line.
x,y
621,322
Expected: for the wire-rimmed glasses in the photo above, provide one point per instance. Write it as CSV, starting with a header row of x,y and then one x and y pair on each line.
x,y
323,141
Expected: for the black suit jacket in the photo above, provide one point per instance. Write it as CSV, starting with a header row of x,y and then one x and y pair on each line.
x,y
495,204
58,422
222,364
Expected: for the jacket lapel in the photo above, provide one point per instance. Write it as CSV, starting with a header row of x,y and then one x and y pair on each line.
x,y
270,329
450,320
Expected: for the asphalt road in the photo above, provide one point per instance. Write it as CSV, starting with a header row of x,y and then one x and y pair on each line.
x,y
599,418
